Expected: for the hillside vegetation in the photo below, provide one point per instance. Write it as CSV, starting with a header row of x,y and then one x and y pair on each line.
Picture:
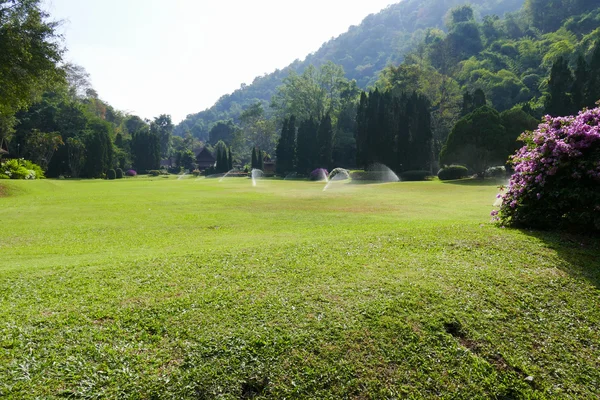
x,y
381,39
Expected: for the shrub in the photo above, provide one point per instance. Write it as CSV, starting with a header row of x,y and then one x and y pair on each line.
x,y
556,183
453,172
20,169
154,172
496,172
196,172
339,174
415,176
319,174
119,172
131,173
366,175
111,174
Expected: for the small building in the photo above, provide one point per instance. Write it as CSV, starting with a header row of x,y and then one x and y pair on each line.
x,y
205,159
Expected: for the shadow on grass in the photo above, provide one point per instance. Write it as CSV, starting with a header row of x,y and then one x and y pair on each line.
x,y
581,253
478,182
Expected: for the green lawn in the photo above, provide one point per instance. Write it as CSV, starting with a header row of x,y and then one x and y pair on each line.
x,y
165,288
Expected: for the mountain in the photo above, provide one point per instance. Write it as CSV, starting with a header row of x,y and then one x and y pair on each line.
x,y
364,50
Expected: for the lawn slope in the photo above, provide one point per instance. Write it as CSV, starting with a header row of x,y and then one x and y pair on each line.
x,y
190,288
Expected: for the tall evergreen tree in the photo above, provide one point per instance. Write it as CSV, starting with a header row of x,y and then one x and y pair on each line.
x,y
580,89
558,101
361,130
593,93
260,159
421,134
403,108
325,142
286,147
230,160
253,165
307,147
145,149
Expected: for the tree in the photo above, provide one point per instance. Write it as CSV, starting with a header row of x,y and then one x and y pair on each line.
x,y
286,147
515,122
312,94
29,53
471,102
135,124
40,147
78,80
222,131
76,154
581,85
256,130
476,141
254,162
163,128
145,150
99,149
593,93
325,142
464,37
558,101
307,147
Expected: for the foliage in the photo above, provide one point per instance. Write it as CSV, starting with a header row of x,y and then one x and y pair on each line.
x,y
30,51
131,172
496,172
313,94
222,131
155,172
453,172
76,155
325,141
186,160
99,149
477,140
285,152
145,149
557,176
307,150
20,169
394,130
163,128
119,173
380,40
415,176
40,146
111,174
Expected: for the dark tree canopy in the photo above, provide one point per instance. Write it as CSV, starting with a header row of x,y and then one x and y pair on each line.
x,y
223,130
476,141
30,51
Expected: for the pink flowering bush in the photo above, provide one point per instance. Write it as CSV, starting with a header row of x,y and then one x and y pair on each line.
x,y
556,183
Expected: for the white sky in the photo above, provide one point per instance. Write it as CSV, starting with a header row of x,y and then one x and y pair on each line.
x,y
177,57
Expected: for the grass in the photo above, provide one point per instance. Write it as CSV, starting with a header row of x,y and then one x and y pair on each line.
x,y
165,288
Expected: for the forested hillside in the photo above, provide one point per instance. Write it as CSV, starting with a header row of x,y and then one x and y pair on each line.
x,y
381,39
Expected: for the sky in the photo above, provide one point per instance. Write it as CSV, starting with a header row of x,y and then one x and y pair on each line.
x,y
178,57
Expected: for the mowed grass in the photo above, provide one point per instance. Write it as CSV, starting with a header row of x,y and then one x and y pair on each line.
x,y
165,288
